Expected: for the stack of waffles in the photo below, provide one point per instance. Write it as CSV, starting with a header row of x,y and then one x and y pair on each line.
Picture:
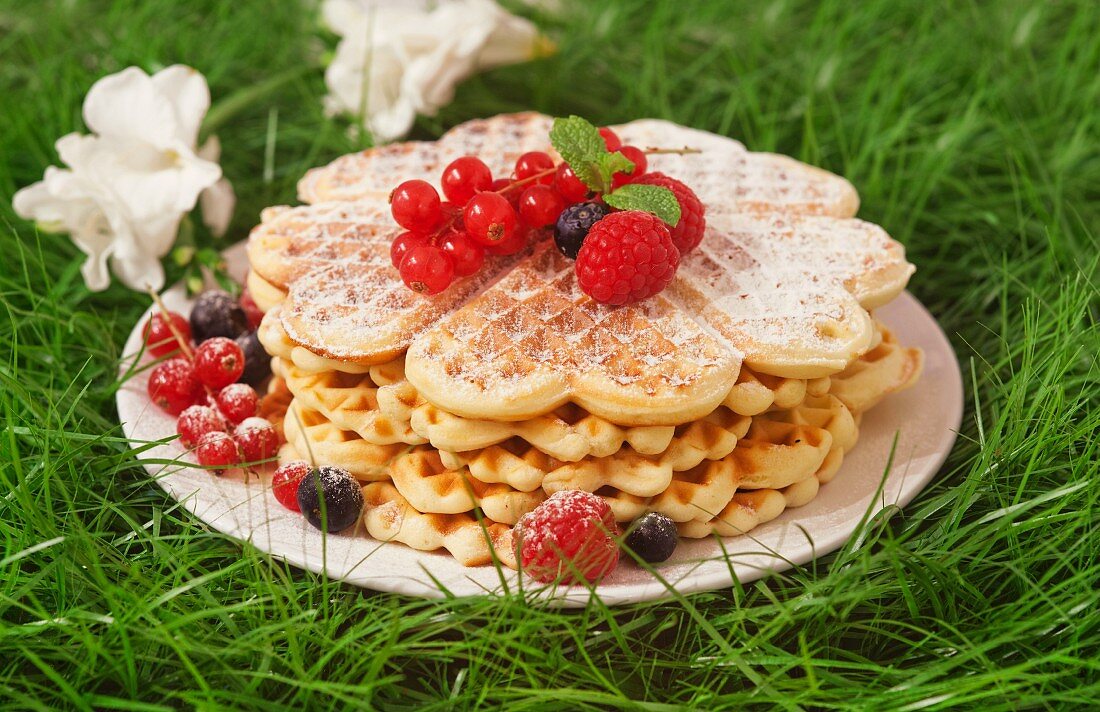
x,y
729,397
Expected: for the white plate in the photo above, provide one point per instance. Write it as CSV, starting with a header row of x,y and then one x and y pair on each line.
x,y
924,419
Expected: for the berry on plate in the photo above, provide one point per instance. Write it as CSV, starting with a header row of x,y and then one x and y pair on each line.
x,y
158,335
688,233
252,311
257,439
217,313
196,421
330,498
415,206
653,538
257,362
218,362
626,257
427,270
573,226
173,386
570,537
238,401
217,449
284,483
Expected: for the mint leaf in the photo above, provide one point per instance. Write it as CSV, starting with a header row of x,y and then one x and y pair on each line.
x,y
581,146
612,163
651,198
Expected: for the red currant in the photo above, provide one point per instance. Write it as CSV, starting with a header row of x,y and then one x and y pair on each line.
x,y
251,310
512,245
465,177
196,421
218,362
540,206
415,205
466,255
611,139
637,157
569,185
489,218
284,483
238,401
217,449
173,386
426,270
257,440
159,338
533,163
402,244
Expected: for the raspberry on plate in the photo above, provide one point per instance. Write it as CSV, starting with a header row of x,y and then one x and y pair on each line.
x,y
688,233
626,257
196,421
173,386
218,362
570,535
218,450
257,439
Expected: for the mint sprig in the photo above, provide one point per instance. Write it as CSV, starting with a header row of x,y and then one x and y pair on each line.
x,y
579,143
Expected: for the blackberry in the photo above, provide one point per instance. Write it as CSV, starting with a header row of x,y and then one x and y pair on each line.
x,y
573,226
257,362
334,490
653,538
217,313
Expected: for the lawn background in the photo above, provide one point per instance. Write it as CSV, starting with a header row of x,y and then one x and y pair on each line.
x,y
972,131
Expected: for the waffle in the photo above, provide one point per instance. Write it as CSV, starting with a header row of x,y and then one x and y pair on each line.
x,y
315,439
885,369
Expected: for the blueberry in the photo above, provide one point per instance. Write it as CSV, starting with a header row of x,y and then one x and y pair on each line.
x,y
573,225
653,538
334,489
217,313
257,363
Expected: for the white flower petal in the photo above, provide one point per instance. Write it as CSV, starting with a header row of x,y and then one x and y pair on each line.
x,y
186,91
217,203
128,106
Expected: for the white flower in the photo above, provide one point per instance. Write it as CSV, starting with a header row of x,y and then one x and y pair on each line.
x,y
399,59
128,184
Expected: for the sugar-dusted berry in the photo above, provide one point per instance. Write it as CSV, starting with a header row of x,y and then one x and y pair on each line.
x,y
218,362
653,538
218,450
257,439
464,177
415,205
688,233
159,338
571,537
285,481
626,257
217,313
238,401
257,362
173,386
426,270
330,498
196,421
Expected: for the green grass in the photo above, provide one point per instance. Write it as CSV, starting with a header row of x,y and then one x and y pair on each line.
x,y
972,133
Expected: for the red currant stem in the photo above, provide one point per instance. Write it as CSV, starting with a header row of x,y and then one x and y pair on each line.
x,y
528,179
678,151
184,347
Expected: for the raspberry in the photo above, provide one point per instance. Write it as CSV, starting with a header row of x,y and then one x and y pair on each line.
x,y
688,233
257,439
173,386
238,401
218,362
570,537
284,483
158,334
626,257
196,421
217,449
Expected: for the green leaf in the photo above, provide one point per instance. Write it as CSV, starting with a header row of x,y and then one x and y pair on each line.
x,y
581,146
651,198
612,163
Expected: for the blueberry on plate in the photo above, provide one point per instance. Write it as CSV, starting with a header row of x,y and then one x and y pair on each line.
x,y
330,498
573,226
257,362
653,538
217,313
